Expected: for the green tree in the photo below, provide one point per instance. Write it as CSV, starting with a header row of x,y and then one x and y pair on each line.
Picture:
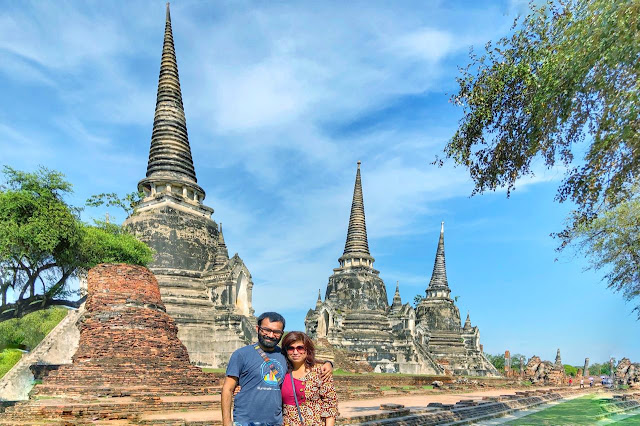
x,y
570,370
564,84
515,361
417,299
598,369
612,242
43,243
126,203
497,361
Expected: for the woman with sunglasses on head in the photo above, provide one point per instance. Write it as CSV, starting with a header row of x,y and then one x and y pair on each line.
x,y
306,398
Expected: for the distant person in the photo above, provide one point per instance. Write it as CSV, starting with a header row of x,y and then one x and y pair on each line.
x,y
570,382
581,383
259,368
306,398
590,382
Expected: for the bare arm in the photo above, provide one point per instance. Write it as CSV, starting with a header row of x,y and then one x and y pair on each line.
x,y
327,370
230,382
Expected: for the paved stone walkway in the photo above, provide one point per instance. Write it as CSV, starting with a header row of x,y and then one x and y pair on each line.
x,y
350,409
372,406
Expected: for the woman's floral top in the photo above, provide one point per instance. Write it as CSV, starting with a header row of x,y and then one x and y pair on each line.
x,y
320,400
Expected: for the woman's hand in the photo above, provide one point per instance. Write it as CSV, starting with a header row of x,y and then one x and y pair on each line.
x,y
329,421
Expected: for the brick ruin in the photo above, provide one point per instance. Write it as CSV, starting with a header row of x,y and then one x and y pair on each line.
x,y
129,355
356,317
545,372
627,373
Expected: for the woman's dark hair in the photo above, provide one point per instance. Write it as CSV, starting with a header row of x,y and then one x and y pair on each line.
x,y
298,336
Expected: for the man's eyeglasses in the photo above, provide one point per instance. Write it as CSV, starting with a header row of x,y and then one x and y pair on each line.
x,y
292,349
266,330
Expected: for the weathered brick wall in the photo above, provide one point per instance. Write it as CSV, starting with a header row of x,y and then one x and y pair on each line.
x,y
128,344
129,351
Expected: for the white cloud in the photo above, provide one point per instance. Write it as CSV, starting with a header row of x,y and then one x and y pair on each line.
x,y
427,44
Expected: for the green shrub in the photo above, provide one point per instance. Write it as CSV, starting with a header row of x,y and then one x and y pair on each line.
x,y
29,330
570,370
8,358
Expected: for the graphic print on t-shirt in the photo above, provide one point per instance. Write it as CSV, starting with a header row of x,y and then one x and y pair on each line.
x,y
272,376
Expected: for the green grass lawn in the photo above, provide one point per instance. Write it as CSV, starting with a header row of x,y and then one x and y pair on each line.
x,y
8,358
214,370
584,410
629,421
26,333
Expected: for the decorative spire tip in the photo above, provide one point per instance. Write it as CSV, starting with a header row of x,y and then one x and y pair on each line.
x,y
442,227
359,162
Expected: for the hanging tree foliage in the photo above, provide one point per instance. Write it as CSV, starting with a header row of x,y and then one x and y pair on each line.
x,y
43,242
563,88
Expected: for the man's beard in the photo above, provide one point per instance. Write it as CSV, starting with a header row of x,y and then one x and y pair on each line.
x,y
267,341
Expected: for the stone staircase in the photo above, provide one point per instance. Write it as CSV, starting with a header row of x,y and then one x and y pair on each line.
x,y
443,341
56,348
425,357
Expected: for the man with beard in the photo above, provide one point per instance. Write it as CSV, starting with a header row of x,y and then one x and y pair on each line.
x,y
259,370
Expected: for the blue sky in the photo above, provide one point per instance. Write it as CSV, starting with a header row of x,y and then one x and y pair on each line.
x,y
282,99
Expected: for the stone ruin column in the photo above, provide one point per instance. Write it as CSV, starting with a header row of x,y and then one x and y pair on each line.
x,y
507,362
611,370
522,366
585,370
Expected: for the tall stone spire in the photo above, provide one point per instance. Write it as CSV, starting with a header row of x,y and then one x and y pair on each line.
x,y
357,246
222,254
439,286
170,161
397,300
467,323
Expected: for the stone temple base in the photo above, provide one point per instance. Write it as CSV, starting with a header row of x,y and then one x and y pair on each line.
x,y
129,359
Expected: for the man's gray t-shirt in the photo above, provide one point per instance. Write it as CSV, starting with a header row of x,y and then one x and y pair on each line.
x,y
259,399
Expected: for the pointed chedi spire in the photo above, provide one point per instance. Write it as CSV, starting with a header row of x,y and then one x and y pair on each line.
x,y
397,300
222,255
467,323
439,286
357,246
170,163
319,301
558,362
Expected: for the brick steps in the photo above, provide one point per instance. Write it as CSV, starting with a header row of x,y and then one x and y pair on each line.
x,y
106,409
129,361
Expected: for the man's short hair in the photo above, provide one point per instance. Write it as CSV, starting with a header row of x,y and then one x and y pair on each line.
x,y
273,317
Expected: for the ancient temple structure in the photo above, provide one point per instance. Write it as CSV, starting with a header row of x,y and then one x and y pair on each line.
x,y
538,371
129,361
355,315
207,292
438,324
